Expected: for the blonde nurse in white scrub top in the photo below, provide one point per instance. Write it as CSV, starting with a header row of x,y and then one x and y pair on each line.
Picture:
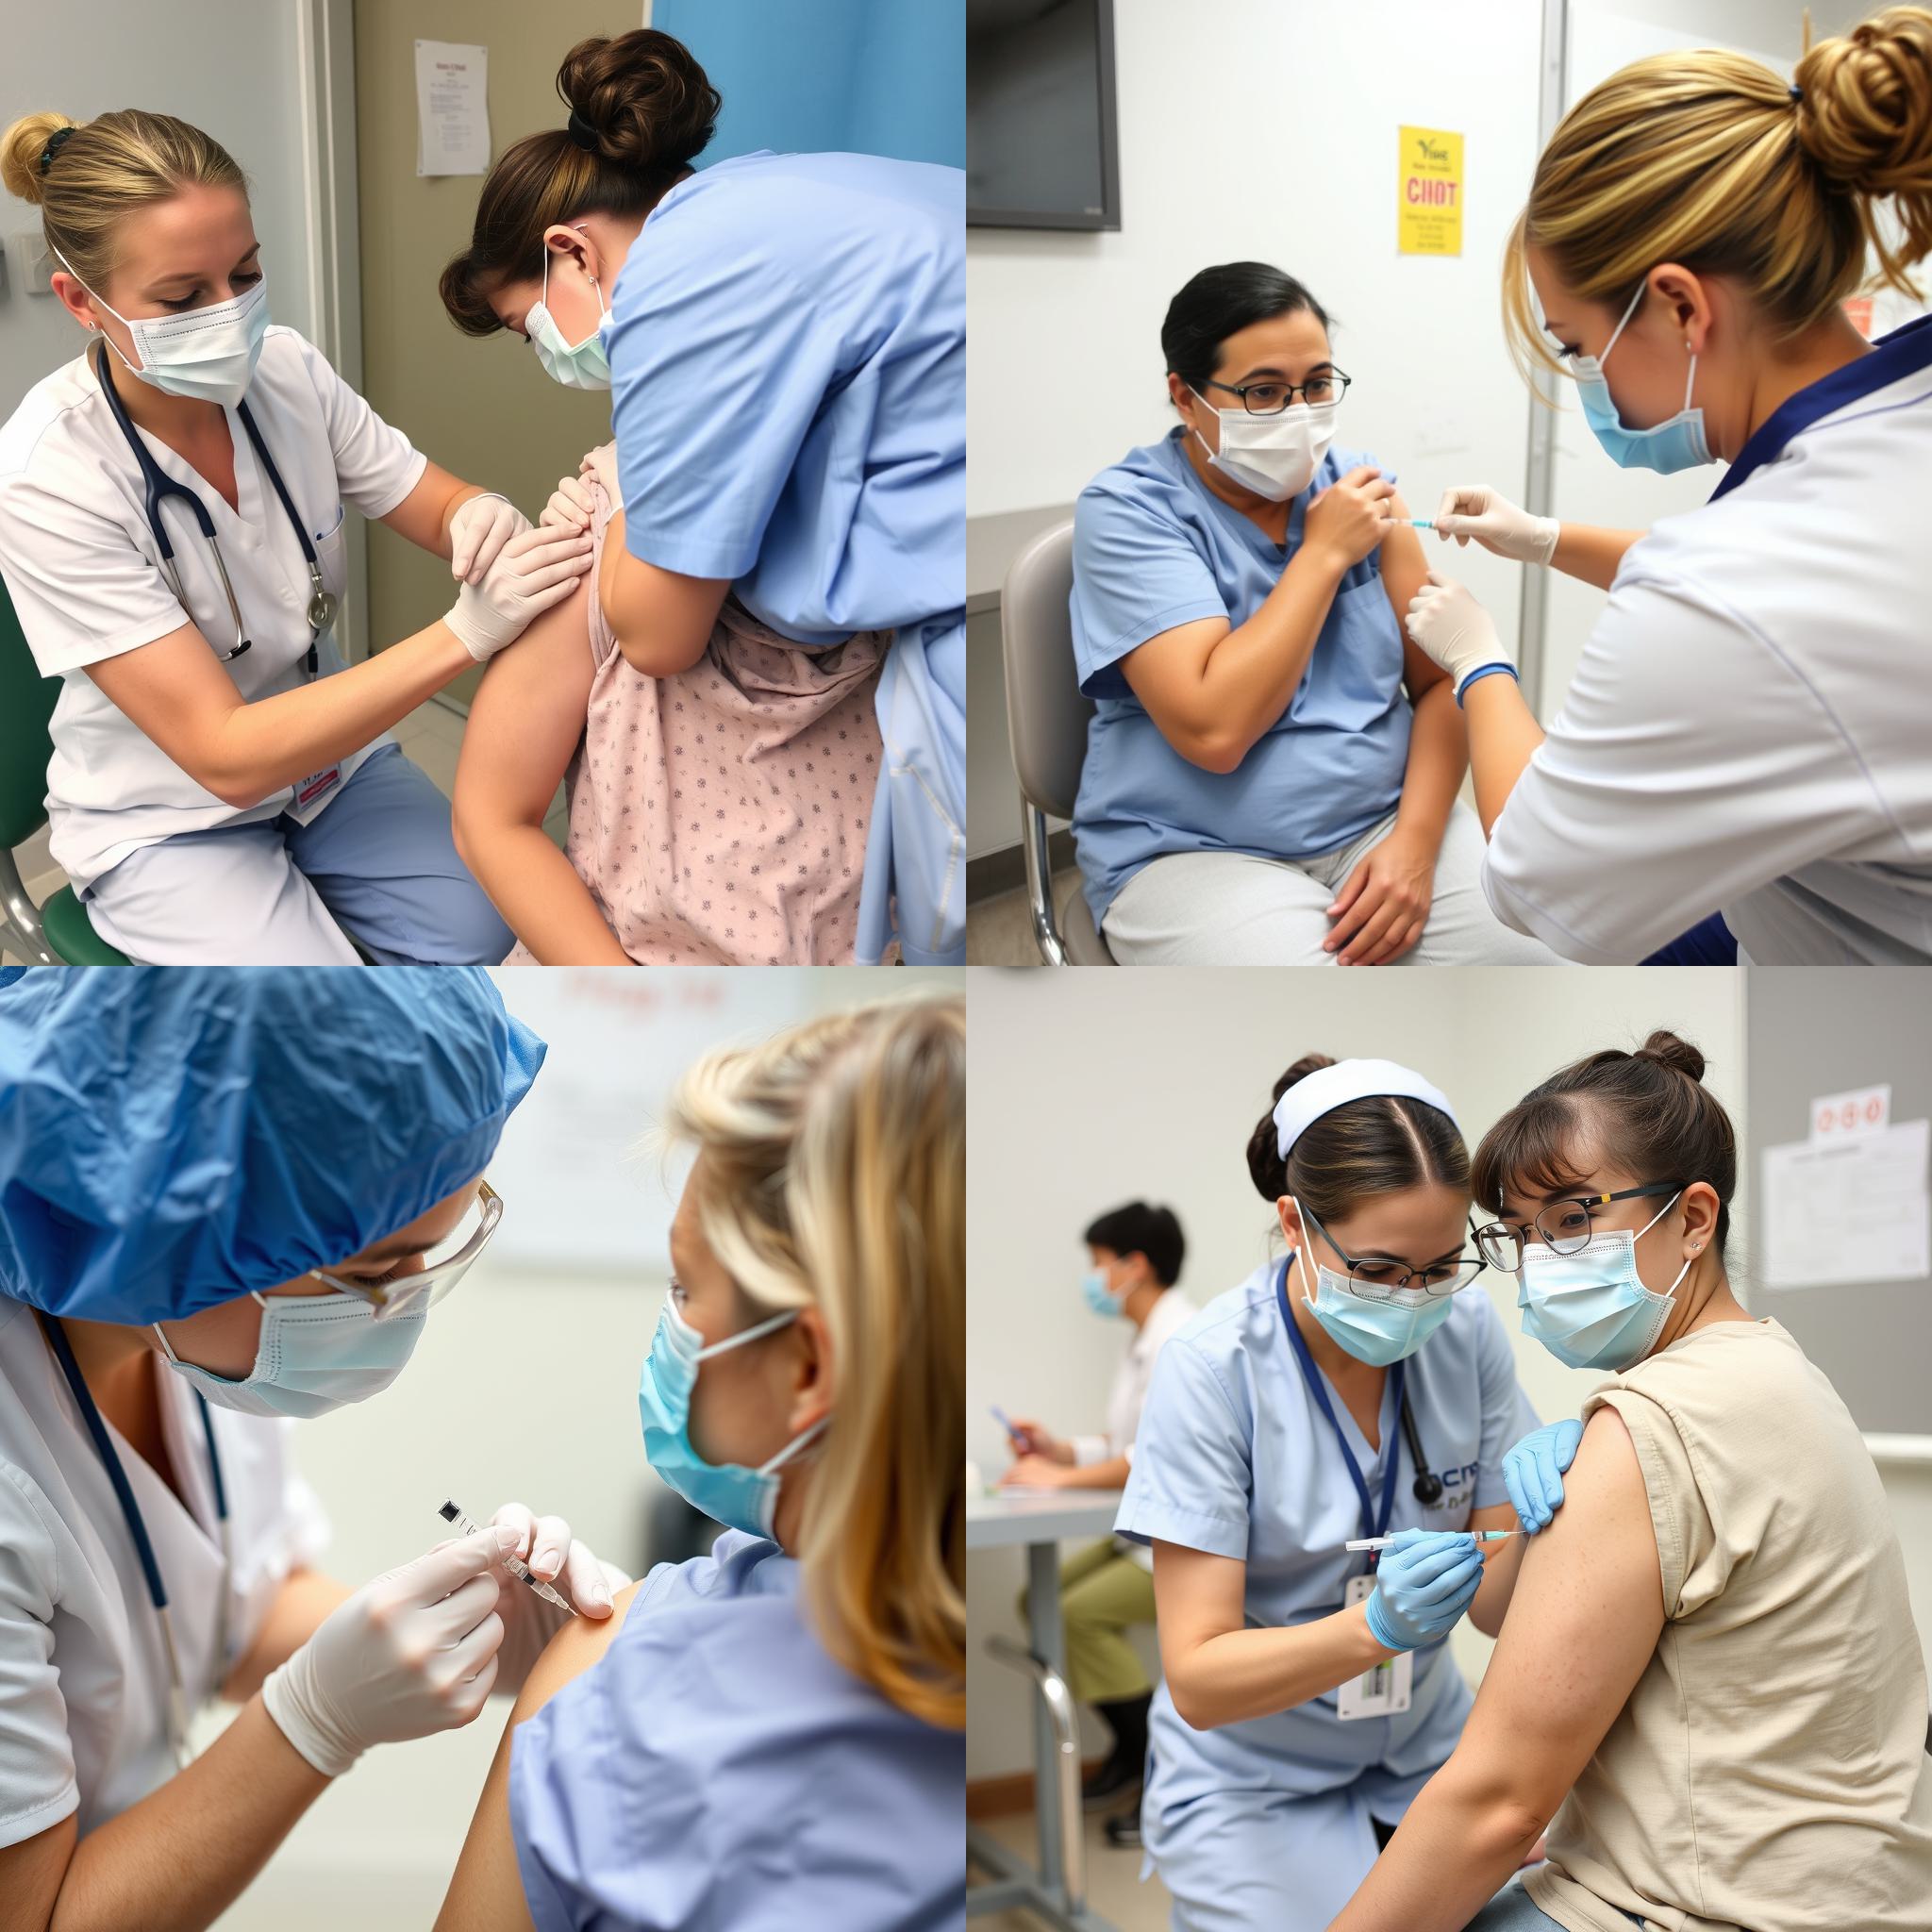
x,y
222,788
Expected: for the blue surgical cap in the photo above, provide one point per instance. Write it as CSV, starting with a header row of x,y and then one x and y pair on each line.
x,y
174,1137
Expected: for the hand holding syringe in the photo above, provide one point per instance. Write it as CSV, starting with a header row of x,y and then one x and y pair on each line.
x,y
453,1516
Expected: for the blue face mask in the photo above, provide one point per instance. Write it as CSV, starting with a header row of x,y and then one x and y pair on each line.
x,y
1677,444
1378,1333
728,1492
316,1353
1093,1287
1590,1309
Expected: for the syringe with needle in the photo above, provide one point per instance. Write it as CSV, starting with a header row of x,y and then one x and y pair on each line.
x,y
464,1527
1384,1542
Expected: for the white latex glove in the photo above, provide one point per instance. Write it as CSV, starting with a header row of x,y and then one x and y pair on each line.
x,y
1447,623
600,464
481,527
535,569
547,1547
408,1655
1474,509
570,505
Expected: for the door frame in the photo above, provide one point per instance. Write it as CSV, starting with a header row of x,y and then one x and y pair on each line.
x,y
333,244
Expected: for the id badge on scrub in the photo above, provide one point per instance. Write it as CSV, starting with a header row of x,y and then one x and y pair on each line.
x,y
1383,1691
312,793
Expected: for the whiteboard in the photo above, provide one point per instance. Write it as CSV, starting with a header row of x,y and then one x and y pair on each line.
x,y
584,1186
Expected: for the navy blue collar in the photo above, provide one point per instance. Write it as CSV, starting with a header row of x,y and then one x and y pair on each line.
x,y
1904,351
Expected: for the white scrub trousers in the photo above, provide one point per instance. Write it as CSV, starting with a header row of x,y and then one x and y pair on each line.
x,y
1235,908
377,866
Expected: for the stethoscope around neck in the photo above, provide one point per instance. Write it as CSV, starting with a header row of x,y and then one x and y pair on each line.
x,y
159,487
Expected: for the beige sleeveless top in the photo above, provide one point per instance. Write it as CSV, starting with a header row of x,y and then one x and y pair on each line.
x,y
1769,1770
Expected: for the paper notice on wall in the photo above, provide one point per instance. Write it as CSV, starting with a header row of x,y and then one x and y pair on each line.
x,y
1848,1210
452,109
1428,192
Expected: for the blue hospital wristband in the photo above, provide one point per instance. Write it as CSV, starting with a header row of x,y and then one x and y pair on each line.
x,y
1483,671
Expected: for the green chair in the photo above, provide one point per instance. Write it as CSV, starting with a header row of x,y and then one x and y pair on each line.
x,y
57,933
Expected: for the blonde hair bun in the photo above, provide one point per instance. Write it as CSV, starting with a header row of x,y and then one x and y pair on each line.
x,y
20,148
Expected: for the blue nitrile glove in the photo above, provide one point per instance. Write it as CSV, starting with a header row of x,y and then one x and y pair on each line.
x,y
1423,1584
1532,1472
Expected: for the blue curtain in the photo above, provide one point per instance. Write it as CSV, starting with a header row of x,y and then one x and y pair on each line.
x,y
864,77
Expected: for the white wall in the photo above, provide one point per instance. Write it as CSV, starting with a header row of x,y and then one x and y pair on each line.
x,y
229,66
1092,1089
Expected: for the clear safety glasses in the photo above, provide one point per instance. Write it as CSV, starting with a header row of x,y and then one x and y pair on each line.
x,y
1376,1278
415,1289
1565,1225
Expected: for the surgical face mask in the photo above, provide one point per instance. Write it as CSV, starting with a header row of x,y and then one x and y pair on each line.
x,y
1372,1331
727,1492
577,365
209,354
316,1353
1273,455
1590,1309
1099,1296
1677,444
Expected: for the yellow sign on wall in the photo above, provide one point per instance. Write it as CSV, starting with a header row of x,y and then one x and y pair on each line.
x,y
1428,207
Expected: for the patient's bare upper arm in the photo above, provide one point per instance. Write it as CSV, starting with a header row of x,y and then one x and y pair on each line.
x,y
1584,1621
486,1892
526,718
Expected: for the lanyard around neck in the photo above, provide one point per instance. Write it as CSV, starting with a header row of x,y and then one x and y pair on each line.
x,y
1374,1523
137,1527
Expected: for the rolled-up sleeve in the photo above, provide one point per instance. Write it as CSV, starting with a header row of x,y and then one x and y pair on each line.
x,y
1691,764
1191,1480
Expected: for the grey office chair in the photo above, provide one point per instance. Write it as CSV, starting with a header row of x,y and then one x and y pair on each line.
x,y
1046,721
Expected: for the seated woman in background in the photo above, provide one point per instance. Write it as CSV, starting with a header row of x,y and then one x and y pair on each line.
x,y
1271,767
1710,1673
773,1735
721,788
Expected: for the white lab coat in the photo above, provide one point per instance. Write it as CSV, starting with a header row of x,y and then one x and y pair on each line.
x,y
83,571
1750,726
83,1676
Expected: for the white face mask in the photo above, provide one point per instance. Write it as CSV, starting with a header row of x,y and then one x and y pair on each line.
x,y
577,365
316,1353
1273,455
209,354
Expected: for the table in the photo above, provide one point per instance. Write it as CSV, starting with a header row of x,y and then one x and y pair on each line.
x,y
1057,1890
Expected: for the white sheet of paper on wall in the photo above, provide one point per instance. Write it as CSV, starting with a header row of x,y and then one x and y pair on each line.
x,y
1847,1211
452,108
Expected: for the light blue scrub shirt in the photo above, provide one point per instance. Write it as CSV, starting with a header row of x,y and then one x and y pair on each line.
x,y
1234,1459
716,1767
787,362
1153,547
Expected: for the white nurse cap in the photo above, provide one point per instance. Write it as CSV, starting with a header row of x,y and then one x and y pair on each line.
x,y
1329,1088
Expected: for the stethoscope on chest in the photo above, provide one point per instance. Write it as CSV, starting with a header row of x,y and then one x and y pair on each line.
x,y
179,1713
158,487
1427,1487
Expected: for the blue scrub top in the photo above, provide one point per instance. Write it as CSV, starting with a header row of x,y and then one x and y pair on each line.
x,y
718,1767
1233,1457
788,359
1153,547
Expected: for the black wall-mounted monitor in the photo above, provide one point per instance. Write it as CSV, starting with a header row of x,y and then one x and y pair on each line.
x,y
1040,146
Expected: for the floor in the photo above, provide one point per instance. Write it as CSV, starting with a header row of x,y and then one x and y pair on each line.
x,y
1114,1890
999,931
430,736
